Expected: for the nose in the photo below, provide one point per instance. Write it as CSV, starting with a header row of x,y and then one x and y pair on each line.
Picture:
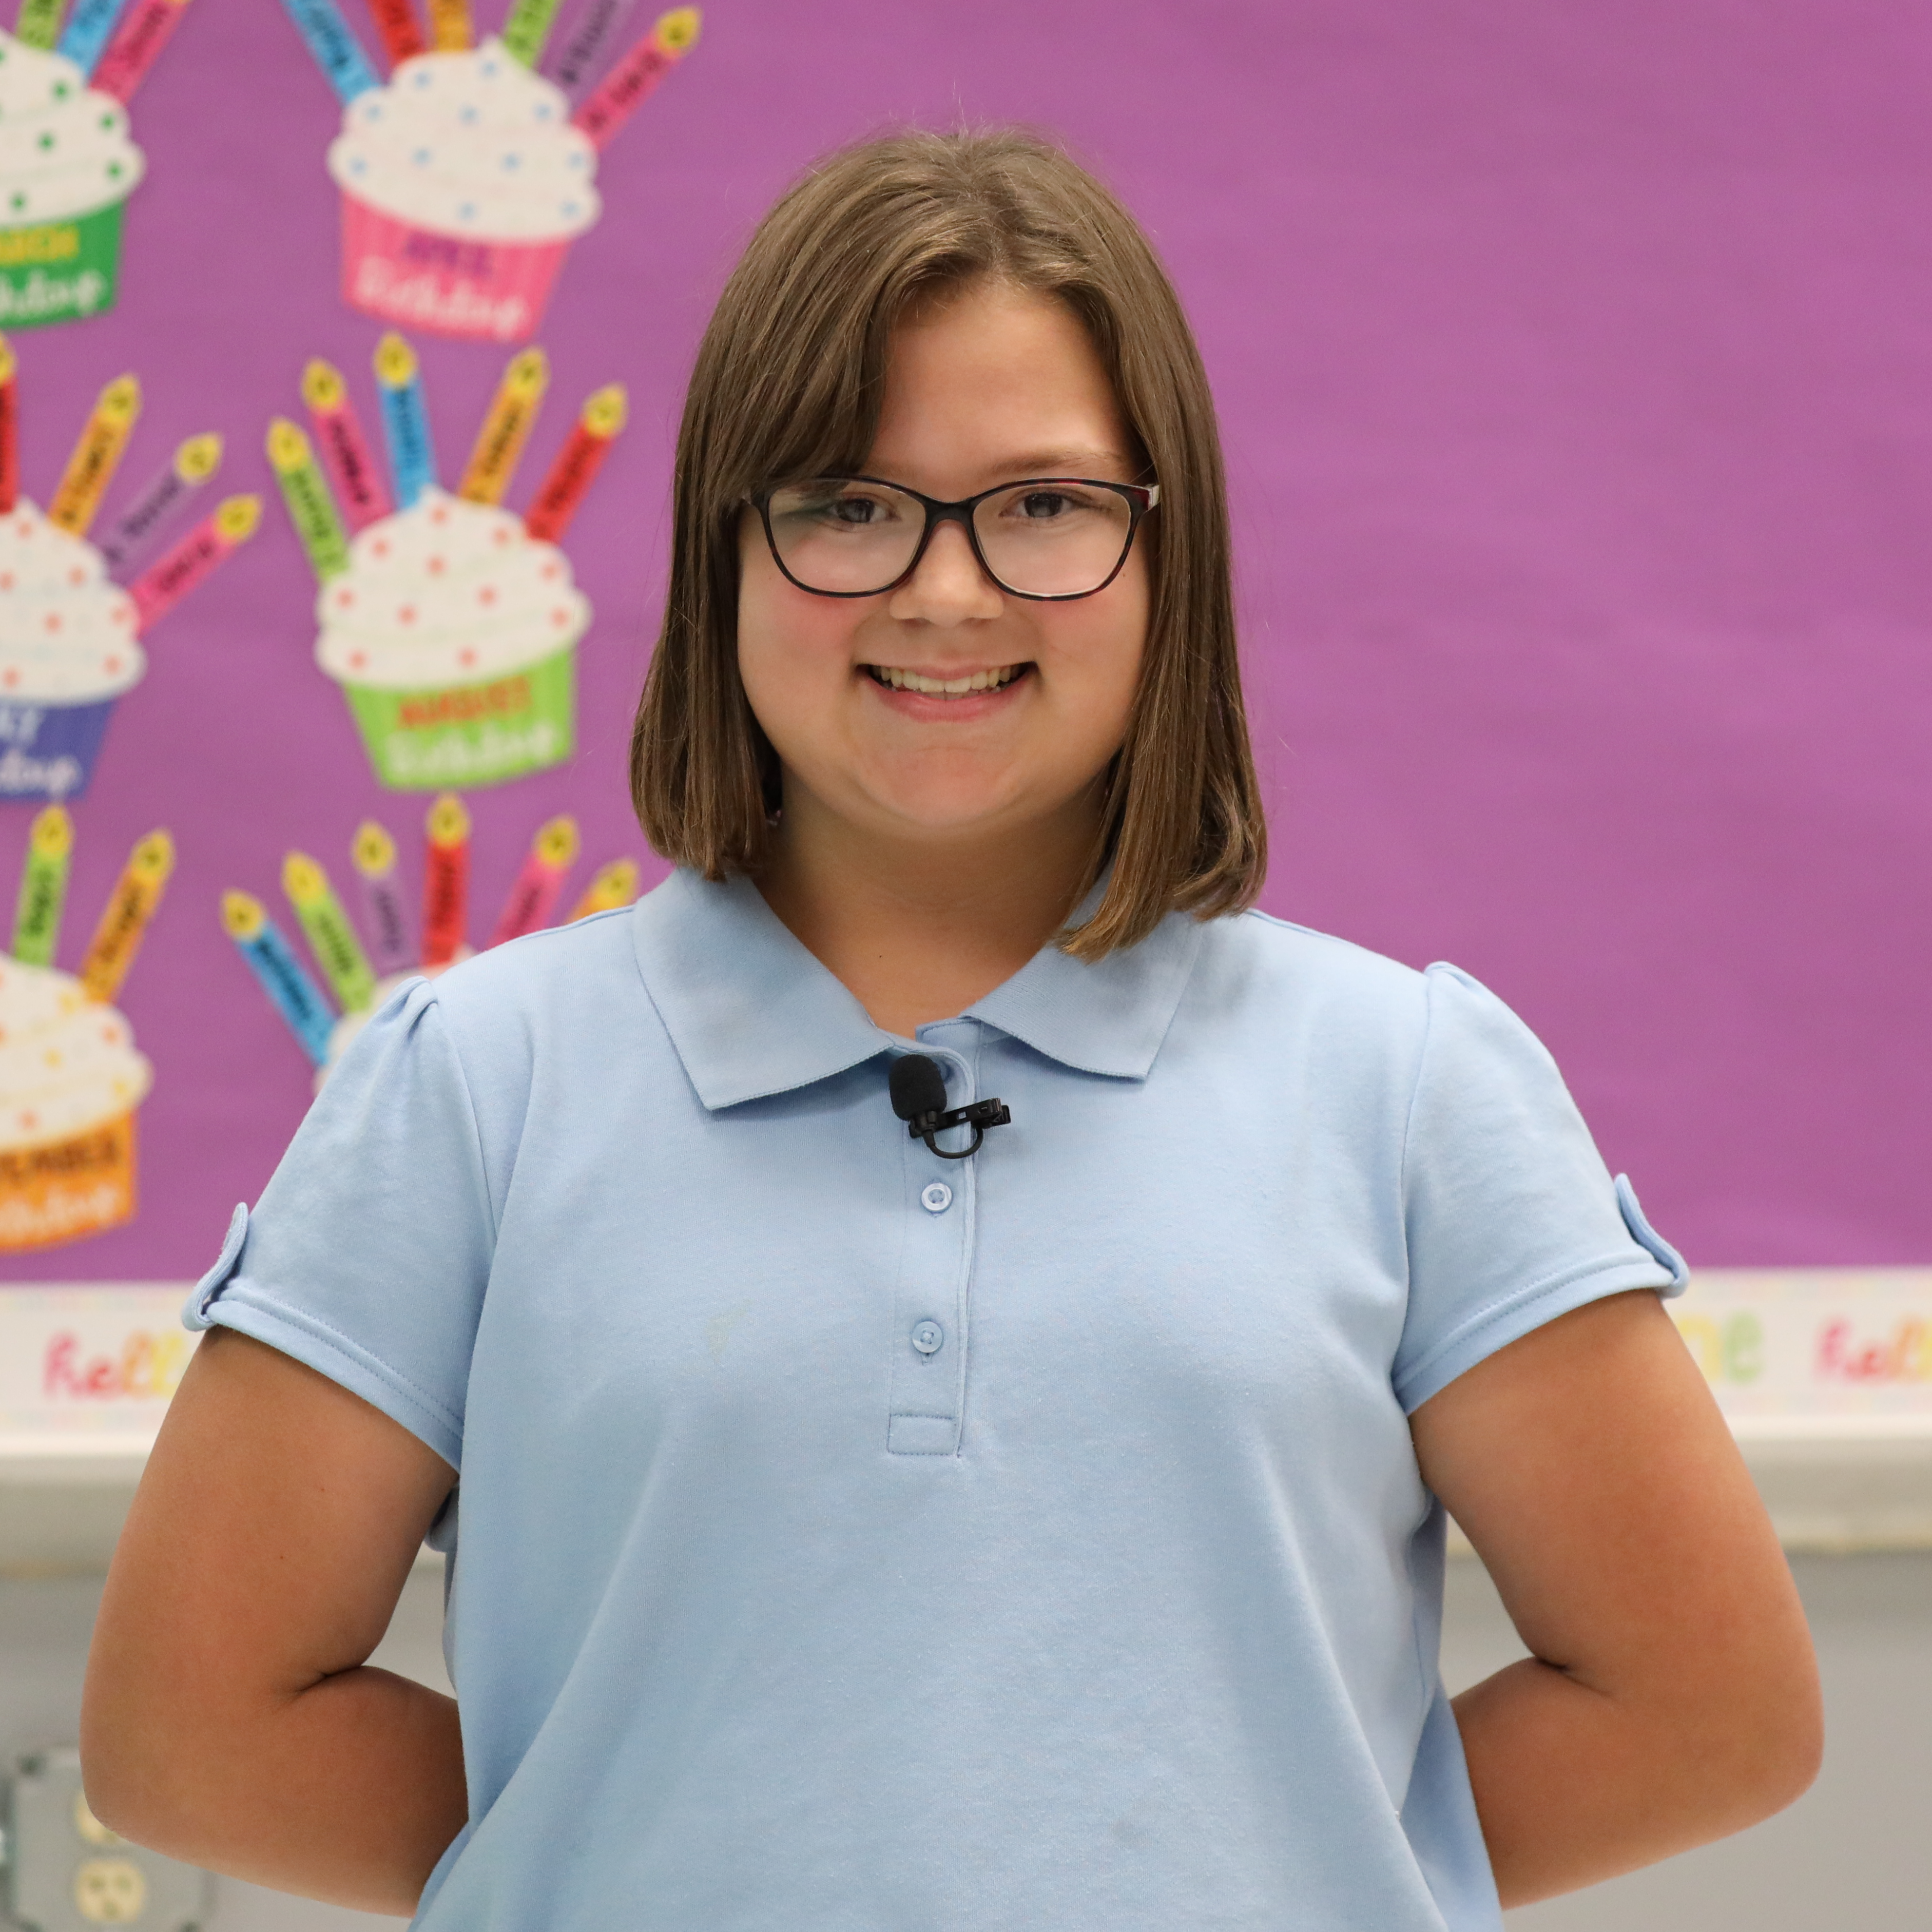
x,y
948,586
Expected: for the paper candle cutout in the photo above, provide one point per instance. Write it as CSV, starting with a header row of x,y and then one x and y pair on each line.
x,y
130,906
583,55
337,50
345,450
528,27
331,937
636,77
577,463
506,428
135,46
36,915
38,25
160,501
10,429
405,419
311,508
449,28
195,558
374,854
534,896
272,960
89,28
90,468
446,881
614,885
396,21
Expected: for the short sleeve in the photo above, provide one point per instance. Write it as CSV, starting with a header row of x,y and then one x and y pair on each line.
x,y
1510,1217
367,1255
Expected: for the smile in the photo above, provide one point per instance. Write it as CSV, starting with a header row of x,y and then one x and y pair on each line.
x,y
896,680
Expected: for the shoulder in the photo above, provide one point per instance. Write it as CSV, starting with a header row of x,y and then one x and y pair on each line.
x,y
1282,968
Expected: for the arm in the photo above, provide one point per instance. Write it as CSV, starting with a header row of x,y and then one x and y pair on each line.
x,y
1670,1696
230,1717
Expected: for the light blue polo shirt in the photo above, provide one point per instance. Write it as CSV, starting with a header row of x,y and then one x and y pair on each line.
x,y
853,1540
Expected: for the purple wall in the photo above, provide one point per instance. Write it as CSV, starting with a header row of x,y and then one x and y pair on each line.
x,y
1576,370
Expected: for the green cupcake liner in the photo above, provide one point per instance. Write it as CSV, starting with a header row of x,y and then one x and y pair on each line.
x,y
58,270
454,737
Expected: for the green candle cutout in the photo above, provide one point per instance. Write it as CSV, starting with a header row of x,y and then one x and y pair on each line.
x,y
36,917
332,939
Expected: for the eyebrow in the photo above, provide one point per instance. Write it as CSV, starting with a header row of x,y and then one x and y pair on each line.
x,y
1062,462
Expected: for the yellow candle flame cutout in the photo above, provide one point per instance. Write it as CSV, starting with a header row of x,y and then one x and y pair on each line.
x,y
374,851
527,375
448,821
322,387
395,361
153,858
288,448
120,402
242,915
608,410
236,516
199,457
676,31
52,834
615,885
557,843
9,361
304,881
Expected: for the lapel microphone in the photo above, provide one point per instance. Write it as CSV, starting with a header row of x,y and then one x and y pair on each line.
x,y
918,1098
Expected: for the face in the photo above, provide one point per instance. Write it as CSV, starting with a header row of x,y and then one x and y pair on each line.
x,y
994,385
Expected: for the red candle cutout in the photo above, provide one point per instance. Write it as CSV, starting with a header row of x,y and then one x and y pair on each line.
x,y
446,881
577,462
396,21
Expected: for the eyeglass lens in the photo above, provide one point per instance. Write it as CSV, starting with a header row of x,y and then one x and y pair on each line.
x,y
1044,539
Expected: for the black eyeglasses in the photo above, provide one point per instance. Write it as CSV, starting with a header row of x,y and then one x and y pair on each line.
x,y
1049,538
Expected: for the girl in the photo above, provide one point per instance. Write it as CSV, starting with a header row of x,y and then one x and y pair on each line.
x,y
956,1338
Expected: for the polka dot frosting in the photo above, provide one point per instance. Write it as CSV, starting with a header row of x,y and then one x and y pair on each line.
x,y
64,147
66,1064
67,632
447,591
469,143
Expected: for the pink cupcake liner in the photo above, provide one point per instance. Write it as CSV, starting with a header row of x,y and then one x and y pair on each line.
x,y
487,291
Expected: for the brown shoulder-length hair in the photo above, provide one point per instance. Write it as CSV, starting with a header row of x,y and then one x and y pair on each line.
x,y
787,386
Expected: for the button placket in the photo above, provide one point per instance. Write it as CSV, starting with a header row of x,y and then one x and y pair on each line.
x,y
927,1398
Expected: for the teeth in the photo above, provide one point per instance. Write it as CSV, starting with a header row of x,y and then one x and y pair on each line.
x,y
946,687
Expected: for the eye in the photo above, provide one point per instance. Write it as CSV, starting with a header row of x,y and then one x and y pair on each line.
x,y
1042,506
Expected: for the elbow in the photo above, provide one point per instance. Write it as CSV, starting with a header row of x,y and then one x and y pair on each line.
x,y
1768,1749
135,1761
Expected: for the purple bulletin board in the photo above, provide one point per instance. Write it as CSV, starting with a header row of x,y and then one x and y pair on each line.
x,y
1576,370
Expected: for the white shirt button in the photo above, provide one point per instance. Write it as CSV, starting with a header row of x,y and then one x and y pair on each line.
x,y
936,1197
928,1337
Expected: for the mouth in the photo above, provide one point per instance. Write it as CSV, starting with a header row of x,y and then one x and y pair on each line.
x,y
972,684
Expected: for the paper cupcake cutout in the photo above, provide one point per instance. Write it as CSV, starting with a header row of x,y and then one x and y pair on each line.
x,y
451,623
467,176
69,632
68,160
70,1079
360,977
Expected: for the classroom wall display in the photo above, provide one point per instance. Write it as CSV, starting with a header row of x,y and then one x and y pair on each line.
x,y
1577,400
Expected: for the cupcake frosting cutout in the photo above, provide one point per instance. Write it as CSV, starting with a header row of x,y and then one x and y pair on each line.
x,y
64,147
448,592
470,143
67,630
67,1063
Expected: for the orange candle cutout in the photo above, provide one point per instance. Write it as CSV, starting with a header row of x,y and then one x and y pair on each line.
x,y
10,429
615,885
577,463
506,427
446,881
534,896
396,21
449,28
92,466
345,454
130,906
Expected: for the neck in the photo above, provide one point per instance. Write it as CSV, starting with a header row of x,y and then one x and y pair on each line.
x,y
918,928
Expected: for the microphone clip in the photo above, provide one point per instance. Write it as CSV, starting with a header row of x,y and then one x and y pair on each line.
x,y
919,1099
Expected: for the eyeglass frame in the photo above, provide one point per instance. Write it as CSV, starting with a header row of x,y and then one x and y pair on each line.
x,y
1140,499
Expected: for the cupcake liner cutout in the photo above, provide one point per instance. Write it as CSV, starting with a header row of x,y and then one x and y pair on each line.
x,y
67,159
69,630
360,976
450,623
466,177
70,1079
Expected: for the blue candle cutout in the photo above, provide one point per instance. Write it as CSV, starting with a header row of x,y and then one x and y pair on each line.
x,y
405,419
89,28
272,960
337,50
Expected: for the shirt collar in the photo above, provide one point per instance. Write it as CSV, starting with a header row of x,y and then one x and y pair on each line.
x,y
751,1013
